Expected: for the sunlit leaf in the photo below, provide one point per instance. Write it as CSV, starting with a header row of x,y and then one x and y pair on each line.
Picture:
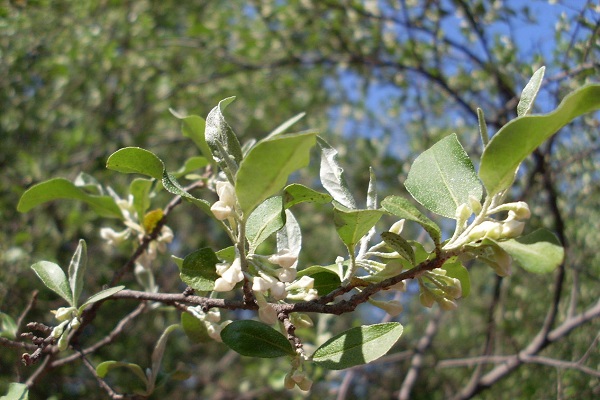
x,y
193,126
222,141
295,193
352,225
265,220
54,278
255,339
76,270
136,160
530,92
8,327
400,245
443,177
357,346
106,293
16,391
516,140
332,176
266,168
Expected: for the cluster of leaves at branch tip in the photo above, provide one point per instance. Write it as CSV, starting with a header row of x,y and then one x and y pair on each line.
x,y
254,203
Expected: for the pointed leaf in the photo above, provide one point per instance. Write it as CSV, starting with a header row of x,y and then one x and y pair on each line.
x,y
54,278
77,271
402,208
199,269
265,220
326,277
104,368
255,339
352,225
516,140
193,127
286,125
266,168
136,160
295,193
222,142
372,190
101,295
332,176
194,329
158,354
60,188
357,346
530,92
400,245
443,177
539,251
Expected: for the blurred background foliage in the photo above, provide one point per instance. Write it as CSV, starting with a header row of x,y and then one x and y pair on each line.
x,y
382,80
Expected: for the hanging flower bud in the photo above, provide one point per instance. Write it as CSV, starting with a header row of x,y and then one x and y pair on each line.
x,y
391,307
284,258
474,204
397,227
513,228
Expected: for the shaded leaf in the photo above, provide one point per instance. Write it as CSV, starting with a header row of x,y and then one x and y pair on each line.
x,y
255,339
54,278
8,327
266,168
194,329
60,188
455,269
290,236
357,346
443,177
295,193
326,278
193,127
77,268
516,140
158,354
199,269
400,245
265,220
16,391
105,367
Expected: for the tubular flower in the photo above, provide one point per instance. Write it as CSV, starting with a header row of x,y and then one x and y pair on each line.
x,y
230,275
223,208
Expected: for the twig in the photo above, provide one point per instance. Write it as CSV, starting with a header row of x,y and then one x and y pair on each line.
x,y
28,308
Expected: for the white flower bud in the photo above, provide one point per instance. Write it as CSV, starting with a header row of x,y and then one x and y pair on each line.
x,y
267,314
221,210
284,259
278,291
306,282
221,285
397,227
391,307
113,237
474,204
260,284
447,304
486,229
513,228
463,212
226,193
64,313
287,274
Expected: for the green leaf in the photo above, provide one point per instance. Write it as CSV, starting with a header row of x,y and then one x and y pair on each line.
x,y
266,168
402,208
194,329
539,251
443,177
358,346
372,190
326,280
290,236
455,269
172,186
332,176
400,245
199,269
222,142
191,164
8,327
54,278
104,368
352,225
265,220
140,189
158,354
295,193
255,339
193,127
59,188
77,271
286,125
89,184
135,160
530,92
227,254
16,391
520,137
101,295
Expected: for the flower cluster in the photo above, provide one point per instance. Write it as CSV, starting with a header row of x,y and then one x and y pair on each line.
x,y
435,286
67,316
211,320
